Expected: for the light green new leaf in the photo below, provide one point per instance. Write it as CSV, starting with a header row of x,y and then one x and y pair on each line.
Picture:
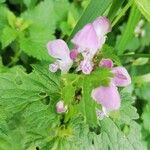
x,y
144,7
8,36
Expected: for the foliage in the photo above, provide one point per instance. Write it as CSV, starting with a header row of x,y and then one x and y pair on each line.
x,y
29,92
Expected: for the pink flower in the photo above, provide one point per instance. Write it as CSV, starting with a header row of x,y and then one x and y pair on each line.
x,y
86,39
102,26
106,63
60,107
108,97
86,66
59,50
90,39
121,75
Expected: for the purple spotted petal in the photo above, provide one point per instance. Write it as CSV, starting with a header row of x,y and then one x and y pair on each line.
x,y
53,67
108,97
86,66
106,63
86,38
102,26
65,65
121,76
58,49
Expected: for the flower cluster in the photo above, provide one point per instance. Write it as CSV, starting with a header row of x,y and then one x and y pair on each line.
x,y
108,96
87,42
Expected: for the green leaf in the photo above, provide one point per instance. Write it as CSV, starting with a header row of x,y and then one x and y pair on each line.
x,y
120,131
144,7
28,104
2,1
112,137
109,52
99,8
34,41
142,90
8,36
145,117
128,32
19,89
30,3
114,8
3,17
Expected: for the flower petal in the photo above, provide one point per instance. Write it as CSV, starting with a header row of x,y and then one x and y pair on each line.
x,y
121,76
65,65
86,66
108,63
53,67
108,97
102,26
86,38
58,49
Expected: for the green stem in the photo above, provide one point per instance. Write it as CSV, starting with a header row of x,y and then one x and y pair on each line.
x,y
15,58
122,12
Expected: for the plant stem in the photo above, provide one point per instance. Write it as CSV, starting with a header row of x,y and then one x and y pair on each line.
x,y
15,58
122,12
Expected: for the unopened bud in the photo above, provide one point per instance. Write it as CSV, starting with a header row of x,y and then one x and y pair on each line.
x,y
60,107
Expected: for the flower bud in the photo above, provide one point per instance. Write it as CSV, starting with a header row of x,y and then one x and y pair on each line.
x,y
60,107
73,54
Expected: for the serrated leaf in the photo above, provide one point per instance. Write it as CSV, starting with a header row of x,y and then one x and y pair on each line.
x,y
40,31
8,36
19,89
109,52
111,137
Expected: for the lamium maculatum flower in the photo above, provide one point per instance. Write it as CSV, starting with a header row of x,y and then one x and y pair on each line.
x,y
102,26
107,96
90,39
60,107
121,76
107,63
59,50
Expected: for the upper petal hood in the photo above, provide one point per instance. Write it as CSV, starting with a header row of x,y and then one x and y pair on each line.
x,y
102,26
108,97
58,49
121,76
86,38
